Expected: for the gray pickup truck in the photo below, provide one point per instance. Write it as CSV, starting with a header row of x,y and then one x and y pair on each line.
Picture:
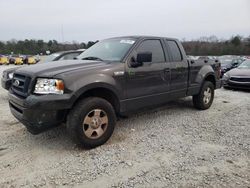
x,y
113,78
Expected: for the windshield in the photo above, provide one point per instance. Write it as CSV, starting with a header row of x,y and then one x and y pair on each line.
x,y
109,50
245,65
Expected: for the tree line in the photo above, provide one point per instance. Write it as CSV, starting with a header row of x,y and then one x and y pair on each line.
x,y
34,47
236,45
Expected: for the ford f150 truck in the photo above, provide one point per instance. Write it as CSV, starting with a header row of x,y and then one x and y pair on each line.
x,y
115,77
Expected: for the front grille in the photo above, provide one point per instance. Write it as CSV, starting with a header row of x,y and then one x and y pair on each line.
x,y
240,79
20,85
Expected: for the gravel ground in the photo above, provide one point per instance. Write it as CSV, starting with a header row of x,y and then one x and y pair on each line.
x,y
172,146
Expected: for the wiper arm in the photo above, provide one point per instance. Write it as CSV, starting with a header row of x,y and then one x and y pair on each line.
x,y
92,58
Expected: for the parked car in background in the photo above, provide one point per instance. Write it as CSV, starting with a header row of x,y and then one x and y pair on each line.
x,y
29,60
37,58
191,57
18,61
238,77
206,58
4,60
228,63
12,59
66,55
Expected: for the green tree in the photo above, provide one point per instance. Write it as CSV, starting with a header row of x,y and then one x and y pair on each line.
x,y
90,43
236,41
248,41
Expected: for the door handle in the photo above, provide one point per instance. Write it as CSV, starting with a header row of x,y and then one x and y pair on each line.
x,y
166,74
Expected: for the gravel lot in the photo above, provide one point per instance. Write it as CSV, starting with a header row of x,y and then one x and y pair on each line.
x,y
172,146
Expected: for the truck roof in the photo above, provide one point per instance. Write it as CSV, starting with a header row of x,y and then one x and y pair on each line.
x,y
142,37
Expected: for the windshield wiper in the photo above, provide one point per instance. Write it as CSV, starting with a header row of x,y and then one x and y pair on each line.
x,y
92,58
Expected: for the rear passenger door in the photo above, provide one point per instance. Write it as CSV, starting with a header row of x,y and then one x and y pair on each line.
x,y
179,69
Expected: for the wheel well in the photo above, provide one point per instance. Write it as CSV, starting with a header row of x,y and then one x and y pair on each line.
x,y
211,78
104,93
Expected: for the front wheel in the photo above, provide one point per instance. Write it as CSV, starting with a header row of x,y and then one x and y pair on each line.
x,y
205,98
91,122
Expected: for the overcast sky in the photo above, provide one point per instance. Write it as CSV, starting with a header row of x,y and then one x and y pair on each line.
x,y
84,20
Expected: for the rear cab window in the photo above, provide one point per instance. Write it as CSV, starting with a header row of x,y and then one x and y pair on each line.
x,y
175,51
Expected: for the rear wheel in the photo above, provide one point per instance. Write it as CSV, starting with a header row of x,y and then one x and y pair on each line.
x,y
91,122
205,97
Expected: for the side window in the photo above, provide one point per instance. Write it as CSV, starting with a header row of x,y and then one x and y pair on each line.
x,y
155,47
69,56
174,50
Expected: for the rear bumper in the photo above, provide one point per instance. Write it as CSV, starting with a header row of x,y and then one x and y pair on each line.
x,y
39,113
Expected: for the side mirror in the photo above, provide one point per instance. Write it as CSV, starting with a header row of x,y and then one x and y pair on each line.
x,y
144,57
140,59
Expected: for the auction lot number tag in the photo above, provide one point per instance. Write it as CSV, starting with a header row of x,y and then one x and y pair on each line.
x,y
127,41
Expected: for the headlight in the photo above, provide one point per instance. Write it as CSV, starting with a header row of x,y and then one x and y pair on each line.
x,y
10,75
49,86
226,76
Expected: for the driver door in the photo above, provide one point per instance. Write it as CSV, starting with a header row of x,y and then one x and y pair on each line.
x,y
146,83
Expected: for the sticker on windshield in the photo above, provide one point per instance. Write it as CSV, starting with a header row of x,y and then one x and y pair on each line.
x,y
127,41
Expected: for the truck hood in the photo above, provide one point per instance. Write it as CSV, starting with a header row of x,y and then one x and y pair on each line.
x,y
11,70
53,68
